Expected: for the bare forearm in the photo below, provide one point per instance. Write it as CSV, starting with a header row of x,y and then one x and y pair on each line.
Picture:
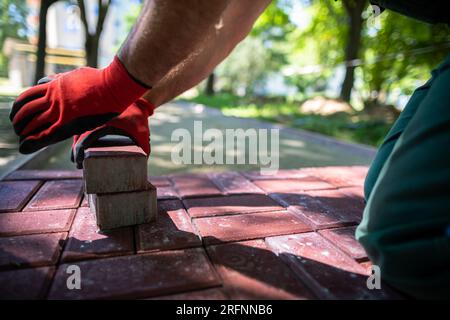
x,y
166,33
234,25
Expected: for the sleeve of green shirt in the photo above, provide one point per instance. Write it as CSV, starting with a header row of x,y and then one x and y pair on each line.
x,y
431,11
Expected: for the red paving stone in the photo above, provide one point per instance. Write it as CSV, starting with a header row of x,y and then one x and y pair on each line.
x,y
25,284
327,271
340,176
172,230
322,208
251,271
280,174
44,175
214,206
86,242
208,294
22,223
139,276
58,194
248,226
85,201
166,193
167,259
15,194
233,183
191,185
307,183
344,239
30,250
160,181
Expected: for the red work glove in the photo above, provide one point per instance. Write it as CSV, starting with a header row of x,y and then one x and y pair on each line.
x,y
72,103
132,123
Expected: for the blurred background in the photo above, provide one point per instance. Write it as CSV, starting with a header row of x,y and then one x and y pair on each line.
x,y
329,67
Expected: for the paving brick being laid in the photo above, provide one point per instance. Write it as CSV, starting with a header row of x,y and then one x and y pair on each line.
x,y
191,185
33,222
139,276
15,194
113,210
103,169
85,241
326,270
57,194
172,230
237,204
344,239
248,226
31,250
251,271
218,236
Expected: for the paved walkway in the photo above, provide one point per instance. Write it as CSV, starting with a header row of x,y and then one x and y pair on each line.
x,y
297,148
220,236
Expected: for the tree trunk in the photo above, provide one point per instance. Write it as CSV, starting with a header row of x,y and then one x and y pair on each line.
x,y
209,90
91,48
42,40
354,10
92,41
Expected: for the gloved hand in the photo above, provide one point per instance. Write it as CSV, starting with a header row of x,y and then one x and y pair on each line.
x,y
132,123
72,103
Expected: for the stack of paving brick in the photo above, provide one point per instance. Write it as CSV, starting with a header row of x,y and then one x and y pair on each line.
x,y
117,186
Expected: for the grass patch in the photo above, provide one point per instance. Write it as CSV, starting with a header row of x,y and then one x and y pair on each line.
x,y
349,127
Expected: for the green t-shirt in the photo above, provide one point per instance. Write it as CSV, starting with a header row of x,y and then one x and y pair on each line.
x,y
431,11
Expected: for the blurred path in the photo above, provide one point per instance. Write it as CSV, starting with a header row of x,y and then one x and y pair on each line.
x,y
297,148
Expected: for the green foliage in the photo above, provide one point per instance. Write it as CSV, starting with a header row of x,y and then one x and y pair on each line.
x,y
245,68
13,24
401,54
350,127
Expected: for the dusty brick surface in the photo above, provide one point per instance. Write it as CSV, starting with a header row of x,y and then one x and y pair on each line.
x,y
322,208
190,185
85,241
58,194
218,236
139,276
15,194
214,206
166,193
248,226
251,271
326,270
344,239
44,175
280,174
22,223
208,294
306,183
160,181
340,176
234,183
172,230
29,284
30,250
